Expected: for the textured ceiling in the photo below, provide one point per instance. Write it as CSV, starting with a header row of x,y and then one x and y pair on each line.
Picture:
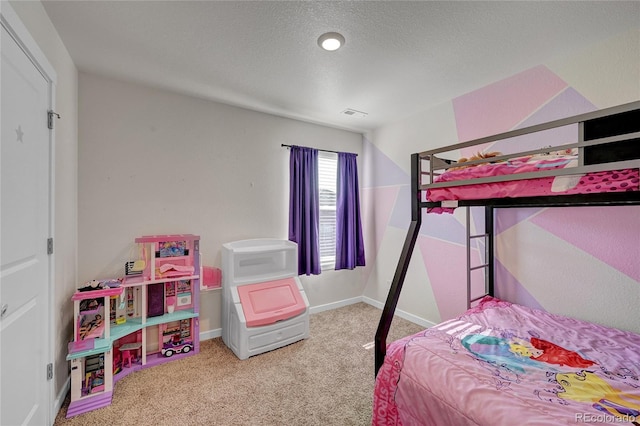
x,y
399,57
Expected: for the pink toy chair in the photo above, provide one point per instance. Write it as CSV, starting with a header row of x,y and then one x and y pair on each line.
x,y
126,358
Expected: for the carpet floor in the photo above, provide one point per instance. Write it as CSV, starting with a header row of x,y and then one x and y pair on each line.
x,y
326,379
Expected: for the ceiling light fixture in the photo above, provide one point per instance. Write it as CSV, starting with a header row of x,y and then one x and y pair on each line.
x,y
331,41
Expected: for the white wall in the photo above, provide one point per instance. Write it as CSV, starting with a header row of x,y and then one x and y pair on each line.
x,y
41,29
154,162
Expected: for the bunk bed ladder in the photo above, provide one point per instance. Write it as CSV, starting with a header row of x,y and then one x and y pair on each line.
x,y
402,267
488,255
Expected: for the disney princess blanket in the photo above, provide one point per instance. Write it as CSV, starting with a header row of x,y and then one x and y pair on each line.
x,y
506,364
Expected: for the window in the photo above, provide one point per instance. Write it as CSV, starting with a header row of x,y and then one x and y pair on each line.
x,y
327,175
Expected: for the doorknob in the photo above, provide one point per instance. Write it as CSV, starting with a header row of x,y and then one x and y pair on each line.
x,y
4,310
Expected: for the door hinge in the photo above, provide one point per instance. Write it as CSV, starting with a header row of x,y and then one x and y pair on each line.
x,y
49,245
50,115
49,371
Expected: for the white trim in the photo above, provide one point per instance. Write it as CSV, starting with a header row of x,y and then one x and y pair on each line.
x,y
335,305
217,332
59,401
11,22
210,334
21,35
402,314
52,256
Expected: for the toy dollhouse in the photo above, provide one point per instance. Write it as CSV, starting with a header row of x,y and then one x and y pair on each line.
x,y
149,317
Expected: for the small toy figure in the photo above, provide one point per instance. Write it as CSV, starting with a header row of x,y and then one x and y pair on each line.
x,y
476,156
101,284
91,285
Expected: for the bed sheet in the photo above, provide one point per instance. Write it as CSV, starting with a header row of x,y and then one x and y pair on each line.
x,y
506,364
598,182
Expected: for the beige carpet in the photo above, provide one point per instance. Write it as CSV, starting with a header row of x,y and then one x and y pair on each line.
x,y
324,380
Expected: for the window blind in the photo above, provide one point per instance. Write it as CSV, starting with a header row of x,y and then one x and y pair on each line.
x,y
327,176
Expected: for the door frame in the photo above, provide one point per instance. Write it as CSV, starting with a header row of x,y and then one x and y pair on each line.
x,y
11,22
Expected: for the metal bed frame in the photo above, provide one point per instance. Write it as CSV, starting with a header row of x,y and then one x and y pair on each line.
x,y
604,138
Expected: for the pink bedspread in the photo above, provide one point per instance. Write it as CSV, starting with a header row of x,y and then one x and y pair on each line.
x,y
505,364
608,181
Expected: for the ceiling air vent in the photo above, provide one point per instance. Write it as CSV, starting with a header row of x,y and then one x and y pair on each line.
x,y
354,113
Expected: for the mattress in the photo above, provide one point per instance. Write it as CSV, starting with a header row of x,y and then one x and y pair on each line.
x,y
597,182
505,364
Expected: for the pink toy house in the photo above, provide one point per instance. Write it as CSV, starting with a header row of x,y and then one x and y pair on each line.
x,y
149,319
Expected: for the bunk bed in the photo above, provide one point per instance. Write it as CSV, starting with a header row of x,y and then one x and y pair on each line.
x,y
499,362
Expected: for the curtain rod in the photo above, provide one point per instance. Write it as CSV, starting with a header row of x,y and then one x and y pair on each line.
x,y
325,150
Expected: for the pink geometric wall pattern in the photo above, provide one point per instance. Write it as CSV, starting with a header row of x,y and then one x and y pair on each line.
x,y
386,171
509,288
444,226
531,97
500,106
377,205
506,218
611,234
446,267
566,104
401,215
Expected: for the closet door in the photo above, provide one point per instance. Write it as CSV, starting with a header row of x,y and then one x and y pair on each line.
x,y
25,217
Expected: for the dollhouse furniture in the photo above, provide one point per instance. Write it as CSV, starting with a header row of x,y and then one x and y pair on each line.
x,y
125,328
264,306
129,352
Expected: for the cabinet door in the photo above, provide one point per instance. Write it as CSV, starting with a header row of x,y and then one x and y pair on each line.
x,y
155,300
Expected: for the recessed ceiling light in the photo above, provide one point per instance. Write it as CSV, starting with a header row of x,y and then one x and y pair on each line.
x,y
331,41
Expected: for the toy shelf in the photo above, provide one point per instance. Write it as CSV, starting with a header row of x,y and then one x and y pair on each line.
x,y
138,281
115,328
259,260
97,346
93,294
175,316
131,326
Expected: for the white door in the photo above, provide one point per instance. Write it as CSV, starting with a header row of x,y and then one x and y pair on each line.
x,y
24,229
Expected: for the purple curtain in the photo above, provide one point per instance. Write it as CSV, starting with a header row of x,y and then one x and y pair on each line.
x,y
349,243
304,212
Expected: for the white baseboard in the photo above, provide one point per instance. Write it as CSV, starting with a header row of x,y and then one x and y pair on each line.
x,y
217,332
210,334
335,305
57,403
402,314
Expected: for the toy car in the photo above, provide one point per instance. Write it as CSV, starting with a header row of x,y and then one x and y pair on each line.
x,y
179,347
